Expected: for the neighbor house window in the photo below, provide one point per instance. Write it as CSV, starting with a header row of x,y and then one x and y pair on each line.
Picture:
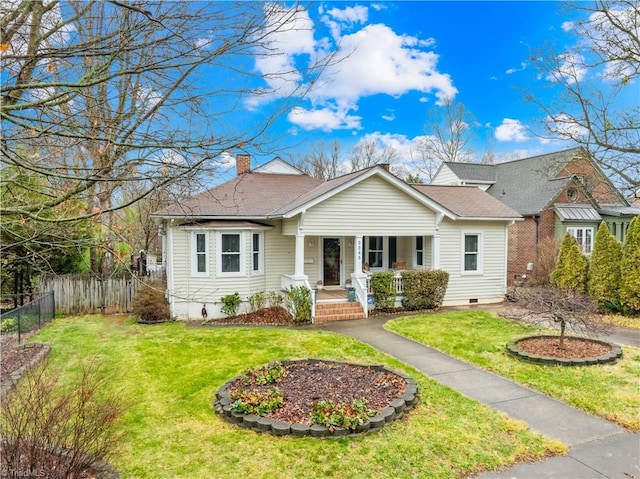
x,y
472,253
419,250
256,252
230,252
200,254
584,237
376,250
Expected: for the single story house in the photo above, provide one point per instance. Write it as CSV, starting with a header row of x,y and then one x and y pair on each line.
x,y
556,193
274,227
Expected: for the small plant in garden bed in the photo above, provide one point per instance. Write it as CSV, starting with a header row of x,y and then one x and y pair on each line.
x,y
255,402
269,374
347,415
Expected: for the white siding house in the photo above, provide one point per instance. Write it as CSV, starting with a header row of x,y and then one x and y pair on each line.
x,y
274,227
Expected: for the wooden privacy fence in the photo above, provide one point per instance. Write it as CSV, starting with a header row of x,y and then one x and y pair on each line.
x,y
84,294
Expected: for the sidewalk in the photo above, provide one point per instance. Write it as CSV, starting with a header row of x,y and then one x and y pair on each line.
x,y
598,448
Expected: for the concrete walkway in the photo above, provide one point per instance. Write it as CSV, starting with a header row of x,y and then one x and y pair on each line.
x,y
598,448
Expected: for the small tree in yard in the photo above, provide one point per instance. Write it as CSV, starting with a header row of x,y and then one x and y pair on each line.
x,y
571,268
564,307
604,271
630,268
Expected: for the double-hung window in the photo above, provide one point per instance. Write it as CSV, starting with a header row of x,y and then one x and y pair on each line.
x,y
419,251
257,255
230,253
472,255
200,254
584,237
376,251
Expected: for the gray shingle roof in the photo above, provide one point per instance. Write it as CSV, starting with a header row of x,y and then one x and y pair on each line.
x,y
467,201
528,185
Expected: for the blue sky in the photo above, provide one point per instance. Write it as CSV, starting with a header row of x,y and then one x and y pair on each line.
x,y
405,57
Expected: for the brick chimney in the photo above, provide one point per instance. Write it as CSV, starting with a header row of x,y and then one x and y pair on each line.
x,y
243,164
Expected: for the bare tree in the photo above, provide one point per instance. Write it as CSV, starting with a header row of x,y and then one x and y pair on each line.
x,y
324,161
562,307
96,94
367,153
604,66
448,138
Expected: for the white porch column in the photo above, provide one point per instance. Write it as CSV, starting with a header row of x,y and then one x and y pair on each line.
x,y
357,254
435,251
299,258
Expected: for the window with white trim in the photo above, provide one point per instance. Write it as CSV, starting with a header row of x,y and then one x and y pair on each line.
x,y
230,253
419,261
584,237
376,251
200,254
472,257
257,256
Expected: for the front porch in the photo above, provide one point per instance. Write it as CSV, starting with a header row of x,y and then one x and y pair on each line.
x,y
331,264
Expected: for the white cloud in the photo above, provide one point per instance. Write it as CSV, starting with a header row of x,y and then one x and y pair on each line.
x,y
565,127
389,117
324,119
510,71
350,15
511,130
373,60
567,26
571,68
379,61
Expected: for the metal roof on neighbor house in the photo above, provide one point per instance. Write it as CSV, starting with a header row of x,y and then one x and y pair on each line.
x,y
577,212
619,210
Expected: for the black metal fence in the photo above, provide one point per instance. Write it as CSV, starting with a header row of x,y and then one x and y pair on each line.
x,y
30,317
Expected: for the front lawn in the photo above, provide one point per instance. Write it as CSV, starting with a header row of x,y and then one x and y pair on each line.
x,y
611,391
168,375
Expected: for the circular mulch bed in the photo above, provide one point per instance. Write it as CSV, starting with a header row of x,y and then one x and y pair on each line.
x,y
576,351
388,393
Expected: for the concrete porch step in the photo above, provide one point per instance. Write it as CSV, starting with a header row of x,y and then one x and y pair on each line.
x,y
338,311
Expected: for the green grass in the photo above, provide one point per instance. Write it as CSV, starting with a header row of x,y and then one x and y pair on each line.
x,y
610,391
168,375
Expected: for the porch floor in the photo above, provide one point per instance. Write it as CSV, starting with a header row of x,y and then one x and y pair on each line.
x,y
333,294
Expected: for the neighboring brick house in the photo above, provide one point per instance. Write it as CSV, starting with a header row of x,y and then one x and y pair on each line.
x,y
556,193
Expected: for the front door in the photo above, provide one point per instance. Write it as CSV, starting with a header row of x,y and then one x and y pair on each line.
x,y
331,261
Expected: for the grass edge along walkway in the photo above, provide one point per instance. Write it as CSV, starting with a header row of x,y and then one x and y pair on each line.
x,y
168,375
610,391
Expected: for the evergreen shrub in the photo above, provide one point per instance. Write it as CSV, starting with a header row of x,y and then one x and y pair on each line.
x,y
424,289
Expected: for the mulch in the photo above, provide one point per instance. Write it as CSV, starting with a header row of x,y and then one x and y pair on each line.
x,y
574,348
307,383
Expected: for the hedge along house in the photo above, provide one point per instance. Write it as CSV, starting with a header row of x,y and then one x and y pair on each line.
x,y
556,193
273,227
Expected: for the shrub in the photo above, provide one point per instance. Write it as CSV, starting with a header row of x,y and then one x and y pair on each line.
x,y
604,270
382,286
230,304
9,325
548,250
571,268
274,299
347,415
256,402
150,304
299,304
424,289
269,374
630,267
59,431
257,301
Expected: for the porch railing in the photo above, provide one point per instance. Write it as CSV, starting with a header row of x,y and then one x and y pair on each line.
x,y
398,284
